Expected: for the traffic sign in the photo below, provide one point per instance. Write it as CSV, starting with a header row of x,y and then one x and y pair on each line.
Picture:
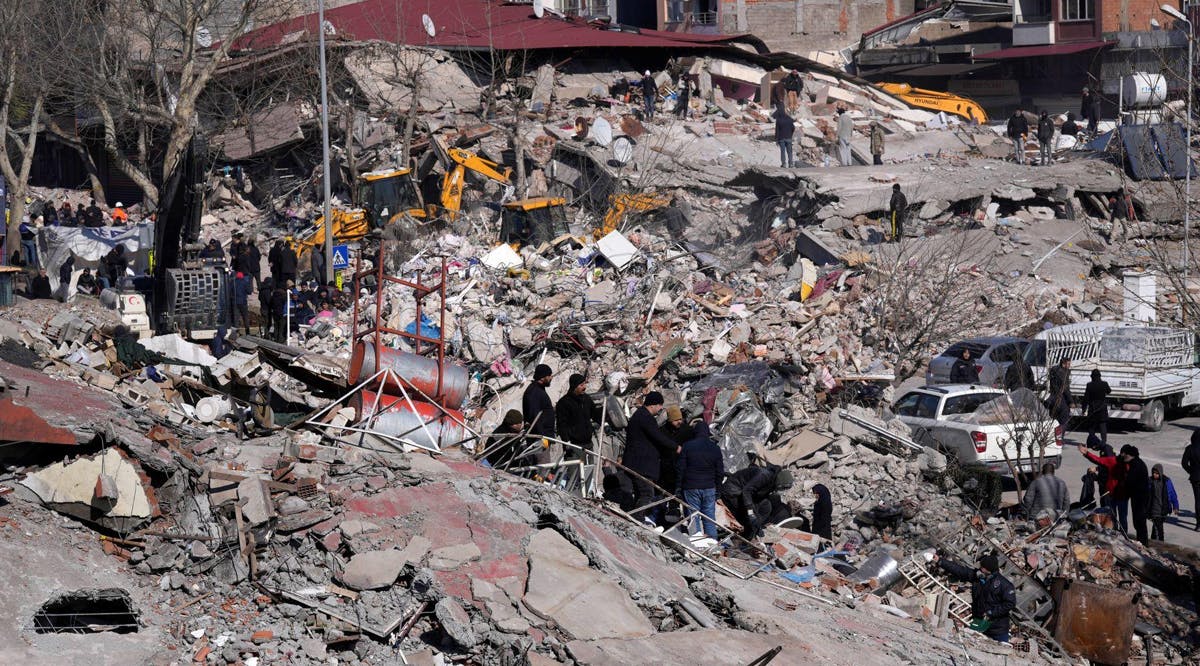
x,y
341,257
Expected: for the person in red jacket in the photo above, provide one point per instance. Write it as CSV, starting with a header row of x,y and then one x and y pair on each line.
x,y
1113,474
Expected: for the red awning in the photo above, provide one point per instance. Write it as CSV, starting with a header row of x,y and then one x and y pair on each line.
x,y
1041,51
470,25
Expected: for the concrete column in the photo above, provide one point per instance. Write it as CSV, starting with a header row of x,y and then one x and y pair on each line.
x,y
799,17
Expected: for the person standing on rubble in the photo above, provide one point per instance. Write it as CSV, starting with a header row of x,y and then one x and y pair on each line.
x,y
506,443
287,261
897,210
116,264
876,143
684,98
1163,501
785,132
645,446
752,495
1089,110
1191,465
792,86
699,471
964,370
679,430
1095,401
1018,129
845,132
1045,137
575,413
536,405
993,596
241,301
1136,488
649,95
822,513
1059,398
1046,493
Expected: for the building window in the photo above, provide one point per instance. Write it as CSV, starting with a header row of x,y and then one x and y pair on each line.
x,y
1078,10
1035,11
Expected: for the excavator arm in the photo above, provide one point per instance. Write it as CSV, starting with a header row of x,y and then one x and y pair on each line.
x,y
620,205
933,100
458,163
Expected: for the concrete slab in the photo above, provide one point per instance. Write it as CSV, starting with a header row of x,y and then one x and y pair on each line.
x,y
373,570
70,488
719,647
582,602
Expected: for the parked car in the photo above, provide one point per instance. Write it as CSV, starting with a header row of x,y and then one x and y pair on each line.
x,y
992,357
977,424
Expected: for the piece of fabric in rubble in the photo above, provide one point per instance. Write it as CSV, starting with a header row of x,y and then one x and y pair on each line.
x,y
741,428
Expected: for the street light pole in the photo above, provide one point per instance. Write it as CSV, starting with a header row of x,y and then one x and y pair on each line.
x,y
325,149
1187,148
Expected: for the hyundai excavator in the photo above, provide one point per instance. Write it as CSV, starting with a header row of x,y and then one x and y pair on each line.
x,y
933,100
387,196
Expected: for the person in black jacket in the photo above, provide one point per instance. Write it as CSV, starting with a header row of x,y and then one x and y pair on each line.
x,y
897,211
1017,131
752,495
574,414
1087,493
785,131
1137,489
699,471
1089,110
1095,401
681,432
39,287
213,251
649,95
1045,136
116,264
1070,128
993,596
505,444
792,87
536,404
645,444
964,371
1018,375
1191,465
1059,399
822,516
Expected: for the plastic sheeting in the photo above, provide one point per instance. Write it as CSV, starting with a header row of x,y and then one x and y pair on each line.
x,y
1021,405
88,245
742,429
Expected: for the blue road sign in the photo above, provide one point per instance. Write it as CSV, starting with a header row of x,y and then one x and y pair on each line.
x,y
341,257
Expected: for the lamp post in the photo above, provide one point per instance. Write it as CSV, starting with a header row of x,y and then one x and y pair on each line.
x,y
1187,151
325,147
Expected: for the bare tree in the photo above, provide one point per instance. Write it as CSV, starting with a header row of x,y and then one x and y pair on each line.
x,y
929,293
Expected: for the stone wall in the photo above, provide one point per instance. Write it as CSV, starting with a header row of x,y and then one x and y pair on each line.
x,y
1132,15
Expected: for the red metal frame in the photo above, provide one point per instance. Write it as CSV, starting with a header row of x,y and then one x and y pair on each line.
x,y
421,344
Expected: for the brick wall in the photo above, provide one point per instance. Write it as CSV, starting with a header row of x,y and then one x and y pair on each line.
x,y
800,25
1132,15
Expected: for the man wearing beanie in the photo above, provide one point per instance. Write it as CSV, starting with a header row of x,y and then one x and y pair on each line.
x,y
680,432
575,412
993,596
1191,465
645,445
1137,490
536,404
506,443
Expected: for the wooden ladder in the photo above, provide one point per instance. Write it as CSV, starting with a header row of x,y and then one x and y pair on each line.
x,y
921,578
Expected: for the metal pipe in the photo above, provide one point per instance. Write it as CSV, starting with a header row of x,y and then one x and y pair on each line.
x,y
325,143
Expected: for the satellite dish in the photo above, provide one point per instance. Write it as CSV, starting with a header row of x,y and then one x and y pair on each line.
x,y
601,132
622,149
430,28
203,37
539,8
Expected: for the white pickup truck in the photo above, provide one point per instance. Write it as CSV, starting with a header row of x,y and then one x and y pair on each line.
x,y
1150,369
979,424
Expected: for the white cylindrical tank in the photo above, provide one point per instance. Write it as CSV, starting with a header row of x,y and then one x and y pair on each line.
x,y
1143,89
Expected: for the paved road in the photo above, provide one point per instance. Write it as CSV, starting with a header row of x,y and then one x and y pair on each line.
x,y
1165,448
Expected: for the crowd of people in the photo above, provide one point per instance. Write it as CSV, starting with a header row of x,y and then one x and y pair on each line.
x,y
679,456
1018,130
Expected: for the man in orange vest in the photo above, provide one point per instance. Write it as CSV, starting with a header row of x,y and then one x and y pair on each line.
x,y
119,216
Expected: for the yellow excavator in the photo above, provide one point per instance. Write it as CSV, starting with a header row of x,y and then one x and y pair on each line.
x,y
624,204
388,195
933,100
540,219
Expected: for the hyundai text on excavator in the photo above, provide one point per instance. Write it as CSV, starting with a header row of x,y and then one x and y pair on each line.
x,y
387,196
933,100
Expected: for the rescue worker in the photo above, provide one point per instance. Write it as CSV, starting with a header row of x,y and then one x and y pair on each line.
x,y
752,495
993,596
119,216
